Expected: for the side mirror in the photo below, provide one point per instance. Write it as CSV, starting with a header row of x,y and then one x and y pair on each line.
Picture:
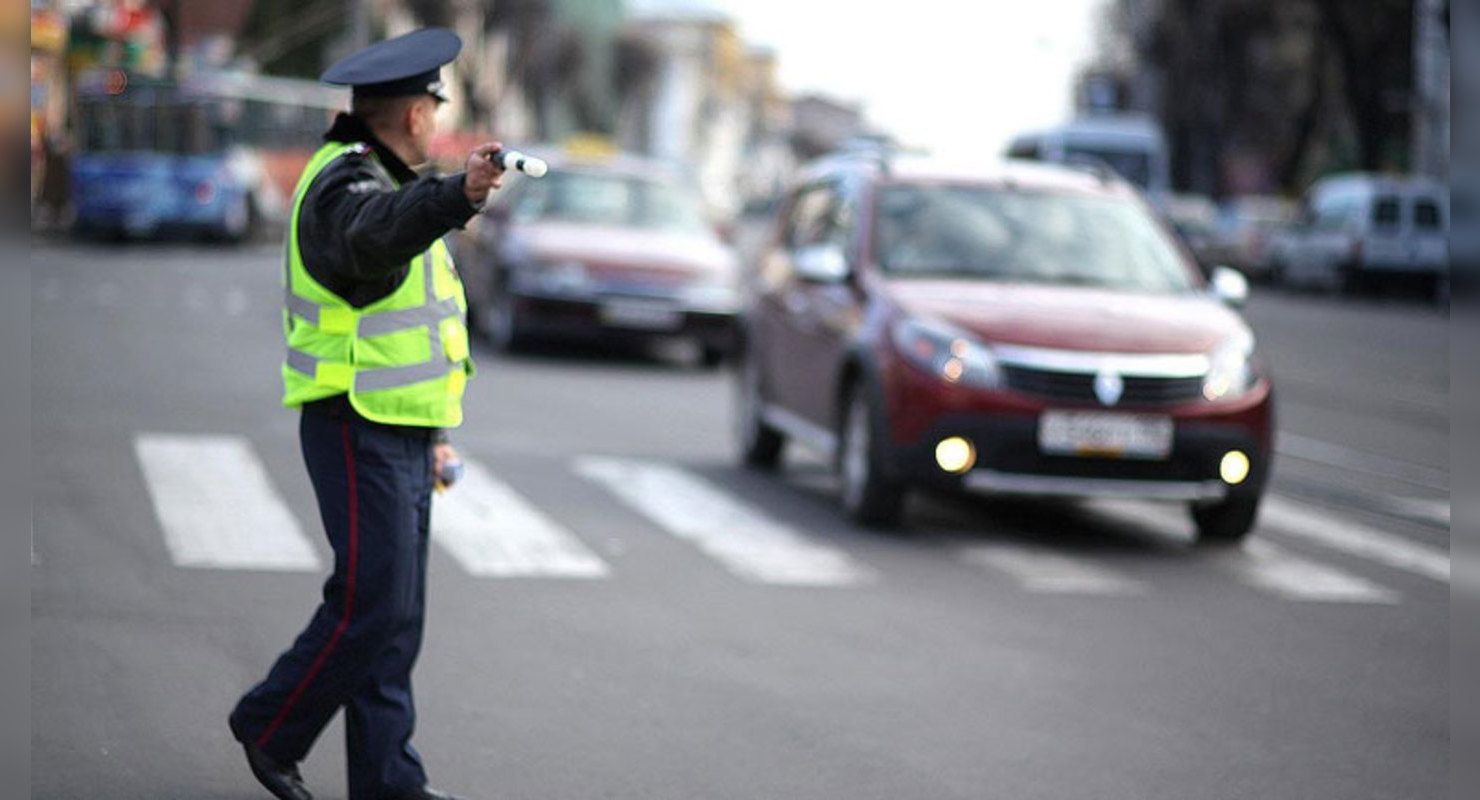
x,y
820,263
1230,286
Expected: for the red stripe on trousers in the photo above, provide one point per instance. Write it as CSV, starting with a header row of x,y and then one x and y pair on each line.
x,y
349,594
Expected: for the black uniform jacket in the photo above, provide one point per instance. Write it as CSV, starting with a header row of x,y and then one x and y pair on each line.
x,y
357,231
365,217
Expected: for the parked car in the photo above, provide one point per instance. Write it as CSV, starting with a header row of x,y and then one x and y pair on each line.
x,y
1247,228
1359,230
1194,219
1023,329
605,245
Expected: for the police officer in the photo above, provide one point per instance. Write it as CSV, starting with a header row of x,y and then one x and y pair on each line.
x,y
377,360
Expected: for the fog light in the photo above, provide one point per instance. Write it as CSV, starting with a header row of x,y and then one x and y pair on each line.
x,y
1234,467
955,454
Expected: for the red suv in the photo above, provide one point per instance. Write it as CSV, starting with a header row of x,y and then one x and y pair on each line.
x,y
1024,329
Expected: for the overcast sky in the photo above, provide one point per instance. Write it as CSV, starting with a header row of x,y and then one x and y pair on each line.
x,y
957,76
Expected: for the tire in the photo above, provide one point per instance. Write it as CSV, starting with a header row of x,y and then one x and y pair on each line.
x,y
759,444
711,356
504,329
1352,281
870,497
1226,522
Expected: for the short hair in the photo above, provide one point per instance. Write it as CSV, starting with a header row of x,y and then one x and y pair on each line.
x,y
375,110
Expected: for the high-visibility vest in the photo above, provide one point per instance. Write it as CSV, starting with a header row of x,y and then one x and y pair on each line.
x,y
402,360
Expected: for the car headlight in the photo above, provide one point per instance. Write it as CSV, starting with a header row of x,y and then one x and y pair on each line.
x,y
948,352
564,277
1231,368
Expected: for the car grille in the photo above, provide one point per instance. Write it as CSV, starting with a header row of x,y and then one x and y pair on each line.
x,y
1079,387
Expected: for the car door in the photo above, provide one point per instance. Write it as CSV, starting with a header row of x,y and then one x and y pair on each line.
x,y
1327,243
1429,248
781,301
1386,244
826,312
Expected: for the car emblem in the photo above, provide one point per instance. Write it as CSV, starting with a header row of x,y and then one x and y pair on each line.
x,y
1108,388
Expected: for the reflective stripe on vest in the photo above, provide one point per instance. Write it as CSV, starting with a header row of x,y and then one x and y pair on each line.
x,y
392,366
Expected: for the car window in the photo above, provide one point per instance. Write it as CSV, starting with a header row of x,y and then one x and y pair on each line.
x,y
995,234
810,217
1385,212
1426,215
610,199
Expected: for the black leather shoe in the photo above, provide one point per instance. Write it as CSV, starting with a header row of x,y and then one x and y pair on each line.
x,y
427,793
282,780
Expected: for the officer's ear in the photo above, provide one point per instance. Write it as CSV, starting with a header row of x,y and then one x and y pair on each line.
x,y
421,113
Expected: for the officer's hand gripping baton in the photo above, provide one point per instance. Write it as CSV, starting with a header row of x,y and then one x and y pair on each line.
x,y
515,160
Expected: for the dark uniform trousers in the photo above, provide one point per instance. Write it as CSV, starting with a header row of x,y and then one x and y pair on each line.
x,y
373,484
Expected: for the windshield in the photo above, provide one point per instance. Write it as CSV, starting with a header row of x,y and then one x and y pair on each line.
x,y
1133,165
120,126
1019,236
621,200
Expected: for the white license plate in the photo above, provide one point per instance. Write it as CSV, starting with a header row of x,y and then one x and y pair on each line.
x,y
647,315
1105,435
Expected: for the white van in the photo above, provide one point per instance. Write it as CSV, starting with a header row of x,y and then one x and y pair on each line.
x,y
1359,229
1130,144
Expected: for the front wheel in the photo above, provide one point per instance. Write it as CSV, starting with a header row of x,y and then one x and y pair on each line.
x,y
1226,522
870,496
711,356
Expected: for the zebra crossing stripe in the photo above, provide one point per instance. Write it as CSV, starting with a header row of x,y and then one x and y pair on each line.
x,y
218,507
1353,538
1260,564
492,531
1271,568
1044,571
747,542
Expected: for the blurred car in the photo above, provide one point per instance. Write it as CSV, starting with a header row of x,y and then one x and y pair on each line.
x,y
1194,219
1026,329
605,245
1132,145
1362,229
1247,228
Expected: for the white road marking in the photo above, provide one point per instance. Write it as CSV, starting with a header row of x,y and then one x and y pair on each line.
x,y
1042,570
1258,562
1354,538
218,507
1273,569
492,531
746,541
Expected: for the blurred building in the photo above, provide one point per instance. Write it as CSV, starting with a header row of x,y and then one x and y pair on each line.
x,y
707,101
820,124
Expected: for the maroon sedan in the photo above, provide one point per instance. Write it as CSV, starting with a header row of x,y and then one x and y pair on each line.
x,y
602,247
1026,329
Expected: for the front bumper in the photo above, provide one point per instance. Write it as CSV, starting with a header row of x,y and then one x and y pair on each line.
x,y
1008,461
567,317
1003,429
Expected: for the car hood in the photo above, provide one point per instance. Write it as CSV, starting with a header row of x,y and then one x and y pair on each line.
x,y
1072,318
605,248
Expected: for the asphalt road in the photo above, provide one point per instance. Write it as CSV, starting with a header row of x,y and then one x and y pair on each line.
x,y
618,611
